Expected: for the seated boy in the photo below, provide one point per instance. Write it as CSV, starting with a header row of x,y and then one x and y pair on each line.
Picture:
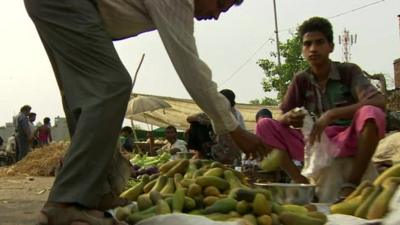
x,y
348,109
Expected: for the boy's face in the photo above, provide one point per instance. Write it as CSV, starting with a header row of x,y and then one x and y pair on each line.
x,y
316,48
32,118
124,134
170,134
211,9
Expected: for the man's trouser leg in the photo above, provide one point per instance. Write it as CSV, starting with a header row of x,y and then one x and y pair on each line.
x,y
23,147
95,89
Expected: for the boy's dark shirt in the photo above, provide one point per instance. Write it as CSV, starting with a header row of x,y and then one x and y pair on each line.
x,y
346,86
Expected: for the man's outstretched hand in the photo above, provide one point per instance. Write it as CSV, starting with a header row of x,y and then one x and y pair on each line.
x,y
249,143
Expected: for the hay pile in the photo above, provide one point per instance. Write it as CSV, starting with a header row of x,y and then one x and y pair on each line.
x,y
39,162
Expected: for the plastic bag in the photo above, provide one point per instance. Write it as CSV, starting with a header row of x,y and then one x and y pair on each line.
x,y
320,154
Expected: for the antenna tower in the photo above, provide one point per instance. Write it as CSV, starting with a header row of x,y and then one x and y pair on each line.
x,y
347,40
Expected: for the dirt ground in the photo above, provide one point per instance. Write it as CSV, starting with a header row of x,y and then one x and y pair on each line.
x,y
21,198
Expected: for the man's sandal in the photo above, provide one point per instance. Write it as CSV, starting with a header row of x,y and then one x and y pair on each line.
x,y
345,190
67,215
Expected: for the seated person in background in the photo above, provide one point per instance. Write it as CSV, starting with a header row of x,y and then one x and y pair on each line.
x,y
348,109
225,150
174,145
151,150
230,96
126,139
201,138
11,147
200,135
263,113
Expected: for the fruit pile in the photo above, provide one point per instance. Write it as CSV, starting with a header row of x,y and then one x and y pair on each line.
x,y
370,200
203,187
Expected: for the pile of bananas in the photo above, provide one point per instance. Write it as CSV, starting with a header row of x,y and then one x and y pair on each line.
x,y
145,160
210,189
370,200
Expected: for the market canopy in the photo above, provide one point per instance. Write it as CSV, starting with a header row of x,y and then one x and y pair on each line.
x,y
181,108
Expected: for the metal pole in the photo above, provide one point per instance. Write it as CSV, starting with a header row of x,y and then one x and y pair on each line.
x,y
277,35
137,70
398,17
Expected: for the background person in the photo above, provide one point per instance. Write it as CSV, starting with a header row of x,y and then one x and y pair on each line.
x,y
23,132
126,139
32,128
263,113
174,144
43,132
225,150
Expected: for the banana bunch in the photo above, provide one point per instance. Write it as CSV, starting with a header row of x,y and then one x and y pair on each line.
x,y
145,160
370,200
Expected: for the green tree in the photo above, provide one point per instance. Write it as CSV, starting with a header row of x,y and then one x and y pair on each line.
x,y
277,78
265,101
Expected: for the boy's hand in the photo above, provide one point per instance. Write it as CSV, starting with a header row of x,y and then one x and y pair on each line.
x,y
319,127
294,118
249,143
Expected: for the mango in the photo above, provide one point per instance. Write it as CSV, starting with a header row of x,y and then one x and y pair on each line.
x,y
194,190
211,191
178,200
216,172
264,220
243,207
217,182
222,206
261,206
144,202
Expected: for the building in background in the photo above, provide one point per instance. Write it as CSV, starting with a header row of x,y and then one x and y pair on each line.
x,y
59,130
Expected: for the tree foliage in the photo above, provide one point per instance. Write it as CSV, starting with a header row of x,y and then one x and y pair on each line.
x,y
277,77
264,101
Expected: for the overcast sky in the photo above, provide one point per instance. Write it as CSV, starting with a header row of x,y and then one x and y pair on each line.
x,y
231,47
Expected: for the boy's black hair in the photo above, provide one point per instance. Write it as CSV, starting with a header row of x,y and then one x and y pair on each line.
x,y
127,129
230,95
264,112
170,127
25,108
316,24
